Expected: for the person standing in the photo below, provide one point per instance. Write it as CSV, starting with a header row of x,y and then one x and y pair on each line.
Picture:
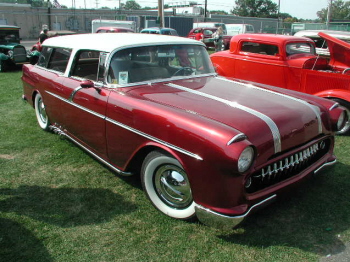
x,y
218,36
43,36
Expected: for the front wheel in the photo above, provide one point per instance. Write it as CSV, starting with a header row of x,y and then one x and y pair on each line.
x,y
167,186
40,111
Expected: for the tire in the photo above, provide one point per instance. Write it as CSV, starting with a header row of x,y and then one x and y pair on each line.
x,y
346,105
166,185
2,66
40,111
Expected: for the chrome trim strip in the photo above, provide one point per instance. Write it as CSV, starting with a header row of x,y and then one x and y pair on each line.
x,y
73,93
312,107
154,139
61,132
334,106
325,164
76,105
221,221
271,124
129,128
237,138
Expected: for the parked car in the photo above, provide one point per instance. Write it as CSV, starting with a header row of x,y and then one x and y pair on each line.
x,y
289,62
210,24
321,44
203,145
208,40
159,31
12,53
110,29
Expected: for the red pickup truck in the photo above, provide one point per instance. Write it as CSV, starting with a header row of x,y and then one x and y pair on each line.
x,y
289,62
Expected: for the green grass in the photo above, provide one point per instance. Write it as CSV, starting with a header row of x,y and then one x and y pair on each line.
x,y
59,204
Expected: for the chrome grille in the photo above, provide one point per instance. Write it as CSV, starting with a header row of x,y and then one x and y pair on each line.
x,y
286,167
19,54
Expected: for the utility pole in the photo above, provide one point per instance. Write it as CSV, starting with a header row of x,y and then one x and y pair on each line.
x,y
161,13
329,13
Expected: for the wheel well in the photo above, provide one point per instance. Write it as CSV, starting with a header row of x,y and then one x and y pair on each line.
x,y
33,97
341,101
135,164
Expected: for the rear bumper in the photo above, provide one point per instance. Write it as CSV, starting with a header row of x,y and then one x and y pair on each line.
x,y
217,220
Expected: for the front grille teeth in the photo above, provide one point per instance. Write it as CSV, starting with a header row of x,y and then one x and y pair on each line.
x,y
289,162
286,167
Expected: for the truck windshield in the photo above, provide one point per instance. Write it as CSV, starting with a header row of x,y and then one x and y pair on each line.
x,y
9,36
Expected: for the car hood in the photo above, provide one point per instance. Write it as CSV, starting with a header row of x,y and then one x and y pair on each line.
x,y
269,119
339,50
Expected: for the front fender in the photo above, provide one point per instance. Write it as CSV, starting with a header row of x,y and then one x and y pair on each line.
x,y
335,93
3,57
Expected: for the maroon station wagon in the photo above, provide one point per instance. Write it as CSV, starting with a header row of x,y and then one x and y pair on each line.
x,y
152,105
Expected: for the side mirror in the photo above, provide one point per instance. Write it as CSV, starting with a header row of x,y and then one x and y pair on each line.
x,y
87,84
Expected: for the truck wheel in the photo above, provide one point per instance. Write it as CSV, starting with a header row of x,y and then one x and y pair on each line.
x,y
346,105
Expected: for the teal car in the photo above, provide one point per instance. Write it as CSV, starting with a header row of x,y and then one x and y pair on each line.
x,y
12,53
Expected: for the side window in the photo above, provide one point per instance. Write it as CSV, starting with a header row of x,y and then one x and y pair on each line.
x,y
44,56
259,48
86,64
59,59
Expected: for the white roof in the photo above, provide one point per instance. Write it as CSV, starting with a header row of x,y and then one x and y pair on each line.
x,y
108,42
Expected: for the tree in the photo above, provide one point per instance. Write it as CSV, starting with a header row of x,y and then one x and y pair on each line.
x,y
131,5
340,11
255,8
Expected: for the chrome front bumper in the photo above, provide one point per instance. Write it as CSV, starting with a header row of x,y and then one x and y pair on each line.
x,y
220,221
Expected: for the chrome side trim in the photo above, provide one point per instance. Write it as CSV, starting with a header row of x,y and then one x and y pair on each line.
x,y
77,106
61,132
312,107
181,150
73,93
271,124
237,138
220,221
334,106
324,165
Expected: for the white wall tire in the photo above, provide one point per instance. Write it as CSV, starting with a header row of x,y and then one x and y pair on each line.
x,y
166,185
40,111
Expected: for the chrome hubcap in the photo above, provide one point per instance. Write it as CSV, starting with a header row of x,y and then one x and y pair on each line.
x,y
172,186
42,111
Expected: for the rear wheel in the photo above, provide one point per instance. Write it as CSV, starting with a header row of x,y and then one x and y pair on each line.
x,y
167,186
346,105
40,111
2,66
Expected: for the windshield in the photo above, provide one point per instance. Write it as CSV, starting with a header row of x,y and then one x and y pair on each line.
x,y
9,36
141,64
300,48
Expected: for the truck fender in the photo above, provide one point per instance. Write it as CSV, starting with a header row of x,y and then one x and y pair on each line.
x,y
335,93
3,57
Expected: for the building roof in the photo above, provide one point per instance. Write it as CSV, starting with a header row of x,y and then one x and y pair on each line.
x,y
108,42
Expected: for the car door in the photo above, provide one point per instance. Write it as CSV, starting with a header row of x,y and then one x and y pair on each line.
x,y
85,105
261,63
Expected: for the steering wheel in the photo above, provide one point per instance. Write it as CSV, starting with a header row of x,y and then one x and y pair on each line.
x,y
186,71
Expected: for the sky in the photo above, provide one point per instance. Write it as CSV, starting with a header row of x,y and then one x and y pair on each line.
x,y
305,9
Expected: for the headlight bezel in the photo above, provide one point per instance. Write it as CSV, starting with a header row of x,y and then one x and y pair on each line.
x,y
245,159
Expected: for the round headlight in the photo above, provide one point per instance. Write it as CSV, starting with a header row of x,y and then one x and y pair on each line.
x,y
245,160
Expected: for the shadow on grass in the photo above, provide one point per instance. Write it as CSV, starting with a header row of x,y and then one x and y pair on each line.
x,y
14,238
312,218
64,207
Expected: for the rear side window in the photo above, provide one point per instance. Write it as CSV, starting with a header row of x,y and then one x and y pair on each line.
x,y
259,48
59,59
